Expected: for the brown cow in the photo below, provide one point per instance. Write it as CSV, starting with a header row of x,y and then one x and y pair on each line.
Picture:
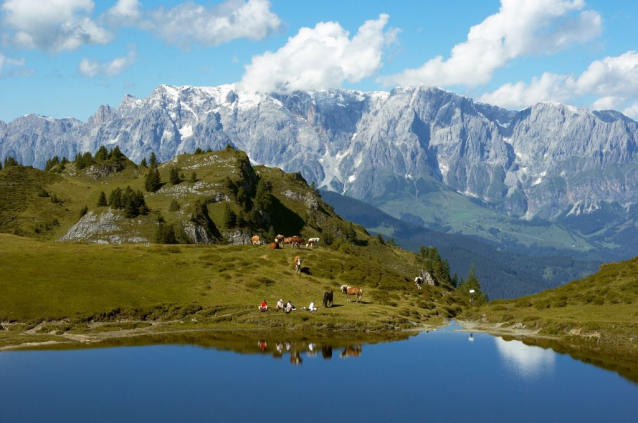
x,y
351,290
297,264
297,241
255,240
351,351
274,246
287,240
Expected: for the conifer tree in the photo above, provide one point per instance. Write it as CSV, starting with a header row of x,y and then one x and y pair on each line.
x,y
52,162
199,151
174,206
153,160
10,161
193,178
152,182
102,154
0,165
174,177
165,234
115,199
101,202
143,162
116,153
263,199
84,211
230,218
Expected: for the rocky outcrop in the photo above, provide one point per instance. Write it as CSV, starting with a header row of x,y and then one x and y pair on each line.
x,y
104,228
238,237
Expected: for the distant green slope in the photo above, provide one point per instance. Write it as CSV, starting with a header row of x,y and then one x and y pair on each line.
x,y
602,307
503,274
603,235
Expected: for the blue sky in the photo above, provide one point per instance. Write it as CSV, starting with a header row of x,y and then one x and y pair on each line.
x,y
66,57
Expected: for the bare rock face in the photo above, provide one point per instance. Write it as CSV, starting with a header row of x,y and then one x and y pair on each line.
x,y
238,237
105,228
537,162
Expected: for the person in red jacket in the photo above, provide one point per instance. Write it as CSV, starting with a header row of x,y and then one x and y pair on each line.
x,y
263,306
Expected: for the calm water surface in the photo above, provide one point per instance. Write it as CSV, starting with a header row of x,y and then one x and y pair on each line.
x,y
436,376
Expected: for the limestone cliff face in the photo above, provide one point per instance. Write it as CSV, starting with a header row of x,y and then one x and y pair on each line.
x,y
541,161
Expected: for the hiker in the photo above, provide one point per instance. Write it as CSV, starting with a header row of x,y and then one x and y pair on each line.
x,y
263,306
280,305
290,307
312,307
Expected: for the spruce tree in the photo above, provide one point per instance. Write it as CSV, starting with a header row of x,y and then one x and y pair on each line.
x,y
152,182
143,162
10,161
174,177
193,178
102,154
263,200
174,206
115,199
165,234
230,218
116,153
101,202
84,211
199,151
153,160
0,165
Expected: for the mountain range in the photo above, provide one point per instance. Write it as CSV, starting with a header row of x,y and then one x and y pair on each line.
x,y
550,176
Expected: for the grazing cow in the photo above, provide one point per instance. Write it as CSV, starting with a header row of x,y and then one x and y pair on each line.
x,y
279,239
274,246
255,240
287,240
311,242
418,281
351,290
297,264
328,299
296,241
351,351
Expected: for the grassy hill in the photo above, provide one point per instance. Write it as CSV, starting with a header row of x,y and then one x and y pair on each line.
x,y
602,308
503,274
116,281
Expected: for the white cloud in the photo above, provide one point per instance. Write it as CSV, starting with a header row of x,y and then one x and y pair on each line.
x,y
91,68
524,360
632,111
519,28
614,79
125,12
6,62
190,23
54,25
320,58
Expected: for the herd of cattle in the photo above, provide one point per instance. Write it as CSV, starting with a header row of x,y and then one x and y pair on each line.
x,y
280,241
297,241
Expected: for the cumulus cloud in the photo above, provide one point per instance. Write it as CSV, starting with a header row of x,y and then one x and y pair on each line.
x,y
91,68
320,58
125,12
190,23
632,111
6,62
613,79
520,28
54,25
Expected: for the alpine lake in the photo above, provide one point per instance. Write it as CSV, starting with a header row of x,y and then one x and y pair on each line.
x,y
439,375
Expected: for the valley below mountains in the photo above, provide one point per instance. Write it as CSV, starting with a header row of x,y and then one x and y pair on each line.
x,y
550,179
